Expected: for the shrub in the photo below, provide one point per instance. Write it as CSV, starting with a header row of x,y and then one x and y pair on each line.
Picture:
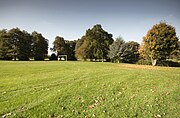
x,y
144,62
168,63
53,57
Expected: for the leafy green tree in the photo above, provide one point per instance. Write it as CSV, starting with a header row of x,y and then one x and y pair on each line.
x,y
20,44
25,46
15,44
15,37
64,47
39,46
59,45
94,44
159,42
129,52
81,48
114,49
124,52
70,47
5,45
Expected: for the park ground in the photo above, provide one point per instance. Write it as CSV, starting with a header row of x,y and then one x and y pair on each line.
x,y
87,90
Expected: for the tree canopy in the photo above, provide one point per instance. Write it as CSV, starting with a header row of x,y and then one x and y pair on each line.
x,y
64,47
159,42
59,45
70,47
115,48
124,52
17,44
129,52
5,46
39,46
94,44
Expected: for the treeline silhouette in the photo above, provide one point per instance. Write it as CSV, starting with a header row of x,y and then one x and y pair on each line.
x,y
160,44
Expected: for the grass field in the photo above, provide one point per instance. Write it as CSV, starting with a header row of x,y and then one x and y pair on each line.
x,y
86,90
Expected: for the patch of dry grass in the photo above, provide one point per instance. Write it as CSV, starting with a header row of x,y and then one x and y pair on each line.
x,y
144,67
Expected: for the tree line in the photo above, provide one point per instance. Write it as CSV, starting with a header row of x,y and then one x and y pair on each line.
x,y
17,44
63,47
160,43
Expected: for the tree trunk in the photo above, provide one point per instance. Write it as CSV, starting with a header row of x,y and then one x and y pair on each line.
x,y
102,59
153,61
15,57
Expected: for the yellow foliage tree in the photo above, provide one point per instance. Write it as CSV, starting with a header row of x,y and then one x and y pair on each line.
x,y
159,42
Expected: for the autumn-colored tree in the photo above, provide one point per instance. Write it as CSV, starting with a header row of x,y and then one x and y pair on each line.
x,y
176,53
159,42
81,48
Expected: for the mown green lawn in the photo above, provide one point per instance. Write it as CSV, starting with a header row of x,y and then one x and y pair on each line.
x,y
88,89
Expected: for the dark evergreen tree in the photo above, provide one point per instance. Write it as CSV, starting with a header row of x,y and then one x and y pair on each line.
x,y
20,44
25,46
39,46
70,48
5,46
15,37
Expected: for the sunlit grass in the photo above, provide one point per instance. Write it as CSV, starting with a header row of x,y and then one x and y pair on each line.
x,y
85,89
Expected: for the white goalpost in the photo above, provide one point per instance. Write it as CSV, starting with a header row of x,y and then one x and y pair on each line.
x,y
62,57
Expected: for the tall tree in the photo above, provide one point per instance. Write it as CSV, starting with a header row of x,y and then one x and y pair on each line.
x,y
25,46
80,48
39,46
70,47
159,42
15,44
20,44
64,47
94,44
5,46
59,45
125,52
15,38
129,52
114,49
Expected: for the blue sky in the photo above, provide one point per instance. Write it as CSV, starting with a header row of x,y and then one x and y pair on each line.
x,y
130,19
